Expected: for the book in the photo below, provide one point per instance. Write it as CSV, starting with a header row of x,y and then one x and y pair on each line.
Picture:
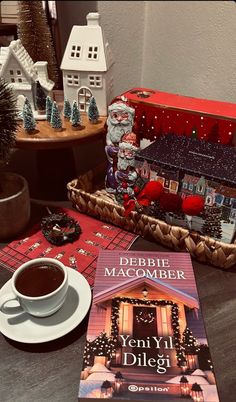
x,y
146,338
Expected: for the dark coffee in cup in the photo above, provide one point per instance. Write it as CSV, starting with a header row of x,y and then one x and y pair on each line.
x,y
39,280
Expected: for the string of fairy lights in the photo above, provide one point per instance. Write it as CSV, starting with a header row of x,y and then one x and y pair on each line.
x,y
134,301
104,345
144,317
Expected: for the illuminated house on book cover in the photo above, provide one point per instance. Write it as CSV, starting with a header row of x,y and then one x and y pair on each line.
x,y
146,336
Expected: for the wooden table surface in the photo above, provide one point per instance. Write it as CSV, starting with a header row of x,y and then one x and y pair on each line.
x,y
50,371
45,137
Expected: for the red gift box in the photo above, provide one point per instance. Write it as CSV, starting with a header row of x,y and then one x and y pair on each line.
x,y
158,113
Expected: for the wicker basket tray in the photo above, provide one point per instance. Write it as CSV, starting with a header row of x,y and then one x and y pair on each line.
x,y
88,197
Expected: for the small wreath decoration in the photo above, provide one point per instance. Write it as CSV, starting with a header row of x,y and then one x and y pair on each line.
x,y
59,228
145,317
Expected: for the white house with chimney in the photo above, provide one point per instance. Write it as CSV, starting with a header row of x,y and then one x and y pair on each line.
x,y
18,69
87,66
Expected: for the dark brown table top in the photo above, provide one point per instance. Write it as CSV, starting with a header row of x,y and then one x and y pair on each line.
x,y
45,137
51,371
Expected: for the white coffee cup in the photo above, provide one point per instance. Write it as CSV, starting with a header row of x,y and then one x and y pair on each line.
x,y
45,277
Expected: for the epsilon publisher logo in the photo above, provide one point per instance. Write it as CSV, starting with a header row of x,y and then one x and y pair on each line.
x,y
133,388
146,388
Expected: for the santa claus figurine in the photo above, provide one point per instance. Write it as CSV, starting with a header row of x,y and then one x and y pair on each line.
x,y
119,122
126,174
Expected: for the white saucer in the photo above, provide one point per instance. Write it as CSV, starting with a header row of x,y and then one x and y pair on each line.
x,y
23,327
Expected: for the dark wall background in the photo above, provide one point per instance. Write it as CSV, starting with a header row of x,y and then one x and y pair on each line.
x,y
71,13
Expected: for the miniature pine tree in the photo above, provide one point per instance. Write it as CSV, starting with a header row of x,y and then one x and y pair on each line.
x,y
75,115
88,355
37,40
48,108
93,113
212,224
103,345
28,117
189,342
8,120
67,109
40,98
56,122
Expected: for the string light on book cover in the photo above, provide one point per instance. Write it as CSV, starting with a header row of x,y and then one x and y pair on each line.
x,y
174,319
144,317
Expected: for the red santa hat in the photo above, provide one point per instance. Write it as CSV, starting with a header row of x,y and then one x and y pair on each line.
x,y
130,138
121,106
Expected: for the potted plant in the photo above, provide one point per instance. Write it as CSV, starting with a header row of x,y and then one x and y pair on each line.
x,y
14,192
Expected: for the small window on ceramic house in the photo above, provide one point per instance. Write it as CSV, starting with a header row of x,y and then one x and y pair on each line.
x,y
185,185
93,52
18,72
95,81
11,72
72,80
75,79
75,52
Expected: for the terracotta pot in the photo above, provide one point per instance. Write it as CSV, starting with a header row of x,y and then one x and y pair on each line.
x,y
14,205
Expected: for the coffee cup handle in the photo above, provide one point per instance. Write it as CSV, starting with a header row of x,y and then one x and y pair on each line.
x,y
7,298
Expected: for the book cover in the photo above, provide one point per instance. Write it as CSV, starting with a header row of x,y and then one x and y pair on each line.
x,y
146,338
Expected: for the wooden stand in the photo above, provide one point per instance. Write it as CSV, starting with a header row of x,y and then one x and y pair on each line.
x,y
54,152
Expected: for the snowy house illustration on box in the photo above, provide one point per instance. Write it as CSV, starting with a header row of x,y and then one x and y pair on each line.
x,y
18,69
86,66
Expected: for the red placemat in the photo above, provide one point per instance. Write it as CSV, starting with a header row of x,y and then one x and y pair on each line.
x,y
80,255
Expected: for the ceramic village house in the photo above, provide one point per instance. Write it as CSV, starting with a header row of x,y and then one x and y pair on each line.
x,y
18,69
87,66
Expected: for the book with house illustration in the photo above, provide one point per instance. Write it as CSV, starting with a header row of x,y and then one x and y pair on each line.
x,y
146,338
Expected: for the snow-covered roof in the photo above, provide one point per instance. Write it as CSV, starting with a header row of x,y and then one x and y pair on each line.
x,y
3,56
34,71
42,75
87,50
20,86
17,50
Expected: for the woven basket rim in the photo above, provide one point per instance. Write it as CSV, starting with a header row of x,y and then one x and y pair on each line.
x,y
71,186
